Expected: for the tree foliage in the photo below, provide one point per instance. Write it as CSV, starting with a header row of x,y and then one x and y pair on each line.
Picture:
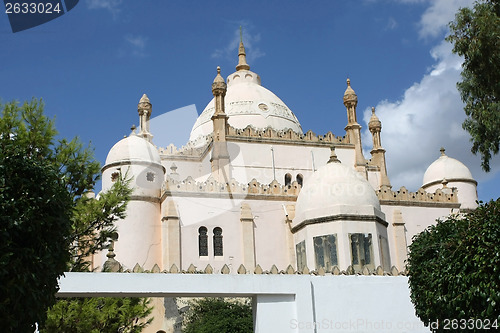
x,y
475,34
454,268
35,231
207,315
98,315
49,224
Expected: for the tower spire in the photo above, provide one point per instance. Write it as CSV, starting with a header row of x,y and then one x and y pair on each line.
x,y
242,56
144,108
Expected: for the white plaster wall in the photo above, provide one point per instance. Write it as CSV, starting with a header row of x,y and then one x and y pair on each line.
x,y
282,303
374,179
416,219
269,224
467,193
271,246
210,213
254,160
139,236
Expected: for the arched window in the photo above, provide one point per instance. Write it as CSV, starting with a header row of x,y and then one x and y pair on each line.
x,y
218,242
288,179
300,179
203,241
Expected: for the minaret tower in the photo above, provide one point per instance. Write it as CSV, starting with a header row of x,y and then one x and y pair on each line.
x,y
144,108
353,129
220,155
378,153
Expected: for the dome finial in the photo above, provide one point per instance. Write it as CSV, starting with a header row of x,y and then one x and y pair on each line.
x,y
442,150
219,86
144,99
349,94
333,156
242,56
374,124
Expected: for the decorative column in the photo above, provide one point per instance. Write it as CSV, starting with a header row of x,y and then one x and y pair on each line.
x,y
144,108
248,237
171,236
289,216
353,129
378,153
220,155
399,241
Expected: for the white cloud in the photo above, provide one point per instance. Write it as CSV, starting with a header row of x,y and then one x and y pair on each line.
x,y
429,116
112,5
136,45
435,19
230,51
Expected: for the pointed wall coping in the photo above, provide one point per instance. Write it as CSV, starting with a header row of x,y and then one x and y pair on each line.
x,y
274,270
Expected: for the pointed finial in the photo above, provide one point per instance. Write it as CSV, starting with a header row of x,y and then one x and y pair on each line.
x,y
219,86
442,150
133,128
333,156
144,99
444,182
374,123
111,251
349,95
242,56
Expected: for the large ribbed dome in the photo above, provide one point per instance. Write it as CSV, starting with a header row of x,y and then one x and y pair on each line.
x,y
247,102
335,189
133,148
447,168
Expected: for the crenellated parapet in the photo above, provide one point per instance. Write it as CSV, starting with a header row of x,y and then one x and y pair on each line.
x,y
288,136
196,149
404,197
232,189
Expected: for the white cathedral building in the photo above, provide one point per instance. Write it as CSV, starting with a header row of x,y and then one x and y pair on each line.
x,y
251,189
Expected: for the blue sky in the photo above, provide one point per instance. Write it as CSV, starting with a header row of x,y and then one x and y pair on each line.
x,y
92,65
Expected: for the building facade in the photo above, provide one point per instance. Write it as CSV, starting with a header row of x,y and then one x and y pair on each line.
x,y
252,190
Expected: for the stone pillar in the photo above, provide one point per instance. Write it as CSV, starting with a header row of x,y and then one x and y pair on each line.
x,y
353,129
378,153
401,247
248,237
220,155
171,237
290,215
144,108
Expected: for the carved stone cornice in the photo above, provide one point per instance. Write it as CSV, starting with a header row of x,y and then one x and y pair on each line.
x,y
270,135
420,198
232,189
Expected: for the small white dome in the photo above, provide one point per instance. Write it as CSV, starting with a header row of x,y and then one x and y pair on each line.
x,y
248,103
133,148
335,189
447,168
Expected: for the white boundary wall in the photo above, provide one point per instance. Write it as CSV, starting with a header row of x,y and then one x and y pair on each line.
x,y
281,303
